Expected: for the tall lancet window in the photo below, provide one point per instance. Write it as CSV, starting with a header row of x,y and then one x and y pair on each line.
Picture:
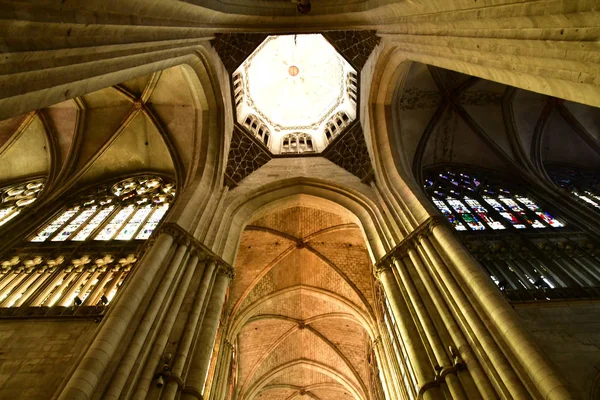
x,y
129,209
15,198
472,205
77,261
531,254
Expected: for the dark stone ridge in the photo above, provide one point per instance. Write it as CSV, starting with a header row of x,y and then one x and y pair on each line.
x,y
234,48
349,151
246,155
354,46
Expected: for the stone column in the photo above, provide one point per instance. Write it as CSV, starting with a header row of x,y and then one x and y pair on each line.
x,y
196,378
410,336
222,374
144,328
503,317
428,327
93,365
193,321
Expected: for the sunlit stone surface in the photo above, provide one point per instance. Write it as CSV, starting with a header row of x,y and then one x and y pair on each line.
x,y
295,83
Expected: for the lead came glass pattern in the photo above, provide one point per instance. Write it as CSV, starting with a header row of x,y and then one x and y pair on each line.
x,y
470,204
74,224
483,214
130,209
93,224
134,223
470,219
446,211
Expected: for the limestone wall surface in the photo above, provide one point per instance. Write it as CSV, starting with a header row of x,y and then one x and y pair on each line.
x,y
36,355
570,336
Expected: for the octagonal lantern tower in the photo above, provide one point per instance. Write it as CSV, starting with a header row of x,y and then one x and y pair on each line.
x,y
295,93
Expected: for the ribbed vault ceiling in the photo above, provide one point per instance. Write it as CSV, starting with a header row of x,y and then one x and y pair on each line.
x,y
301,307
145,124
447,117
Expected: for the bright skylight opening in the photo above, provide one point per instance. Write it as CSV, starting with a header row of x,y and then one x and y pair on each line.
x,y
295,84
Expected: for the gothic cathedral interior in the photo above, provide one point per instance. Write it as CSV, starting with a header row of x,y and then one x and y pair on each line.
x,y
300,199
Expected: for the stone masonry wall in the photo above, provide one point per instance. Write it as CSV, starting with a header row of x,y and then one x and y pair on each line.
x,y
570,336
36,355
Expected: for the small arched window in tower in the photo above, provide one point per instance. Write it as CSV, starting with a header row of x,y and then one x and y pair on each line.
x,y
129,209
297,143
471,205
238,89
581,183
257,128
352,86
14,198
336,125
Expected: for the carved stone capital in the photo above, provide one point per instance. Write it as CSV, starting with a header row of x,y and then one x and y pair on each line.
x,y
226,270
380,268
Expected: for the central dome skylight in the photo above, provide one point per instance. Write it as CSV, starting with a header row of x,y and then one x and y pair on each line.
x,y
295,93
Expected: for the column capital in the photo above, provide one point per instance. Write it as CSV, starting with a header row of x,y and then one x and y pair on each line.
x,y
378,269
225,269
228,344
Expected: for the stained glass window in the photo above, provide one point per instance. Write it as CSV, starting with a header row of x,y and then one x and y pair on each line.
x,y
581,183
14,198
470,203
129,209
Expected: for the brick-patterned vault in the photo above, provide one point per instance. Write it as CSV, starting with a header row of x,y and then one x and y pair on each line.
x,y
301,308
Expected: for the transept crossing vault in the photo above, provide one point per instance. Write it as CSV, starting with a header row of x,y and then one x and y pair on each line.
x,y
412,213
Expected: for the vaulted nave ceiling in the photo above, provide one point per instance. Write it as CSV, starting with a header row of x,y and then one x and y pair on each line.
x,y
301,307
447,117
141,125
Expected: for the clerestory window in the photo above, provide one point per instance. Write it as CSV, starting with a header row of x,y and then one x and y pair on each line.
x,y
15,198
470,204
129,209
76,263
297,143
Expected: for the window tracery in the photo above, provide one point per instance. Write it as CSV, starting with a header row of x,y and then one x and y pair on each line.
x,y
258,128
544,264
14,198
77,262
336,125
129,209
582,184
297,143
470,204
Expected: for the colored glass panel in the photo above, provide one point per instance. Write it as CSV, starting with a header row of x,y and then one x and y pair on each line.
x,y
55,225
466,215
504,213
482,212
74,225
93,224
134,223
521,213
549,219
113,226
152,222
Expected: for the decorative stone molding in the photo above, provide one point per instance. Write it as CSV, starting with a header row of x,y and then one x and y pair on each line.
x,y
401,249
226,269
182,236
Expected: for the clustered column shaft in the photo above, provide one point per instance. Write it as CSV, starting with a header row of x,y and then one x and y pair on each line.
x,y
132,355
454,351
